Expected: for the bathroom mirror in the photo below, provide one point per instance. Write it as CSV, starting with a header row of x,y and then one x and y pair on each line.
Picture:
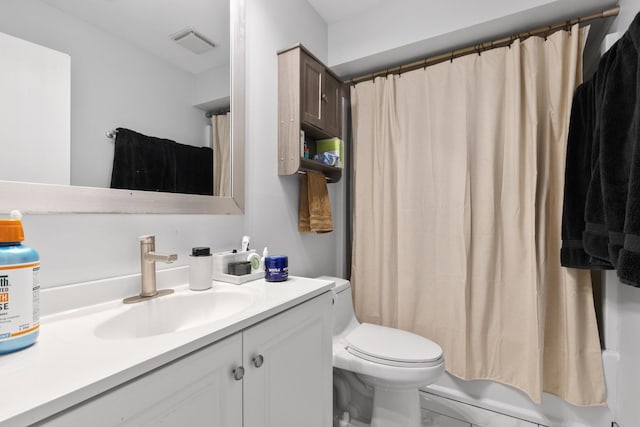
x,y
89,197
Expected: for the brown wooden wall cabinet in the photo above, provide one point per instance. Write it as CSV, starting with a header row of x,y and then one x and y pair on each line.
x,y
309,100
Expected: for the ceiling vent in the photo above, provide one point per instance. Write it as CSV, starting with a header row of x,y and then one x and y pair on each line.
x,y
193,41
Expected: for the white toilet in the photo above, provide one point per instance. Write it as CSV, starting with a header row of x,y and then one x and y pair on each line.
x,y
395,363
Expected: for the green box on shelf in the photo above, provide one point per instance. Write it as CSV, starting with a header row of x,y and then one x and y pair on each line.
x,y
331,145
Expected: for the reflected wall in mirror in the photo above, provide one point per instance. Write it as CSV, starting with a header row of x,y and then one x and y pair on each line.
x,y
126,71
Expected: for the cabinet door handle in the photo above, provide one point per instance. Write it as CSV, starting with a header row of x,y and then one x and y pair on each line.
x,y
238,373
324,97
258,361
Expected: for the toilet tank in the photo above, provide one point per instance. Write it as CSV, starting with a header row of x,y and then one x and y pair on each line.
x,y
343,315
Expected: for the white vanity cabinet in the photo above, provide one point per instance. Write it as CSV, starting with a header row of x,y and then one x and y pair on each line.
x,y
286,380
196,390
288,368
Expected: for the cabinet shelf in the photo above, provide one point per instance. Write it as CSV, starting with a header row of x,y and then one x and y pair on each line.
x,y
332,173
309,100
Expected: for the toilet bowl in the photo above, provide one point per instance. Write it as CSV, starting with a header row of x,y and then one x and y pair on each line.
x,y
393,362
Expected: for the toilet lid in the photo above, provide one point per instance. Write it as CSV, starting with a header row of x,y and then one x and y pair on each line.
x,y
393,347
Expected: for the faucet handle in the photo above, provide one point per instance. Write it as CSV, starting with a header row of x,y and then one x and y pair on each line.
x,y
146,239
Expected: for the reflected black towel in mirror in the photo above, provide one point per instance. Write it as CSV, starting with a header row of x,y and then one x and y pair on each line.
x,y
142,162
194,169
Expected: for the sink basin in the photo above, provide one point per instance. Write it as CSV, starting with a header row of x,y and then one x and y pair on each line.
x,y
174,313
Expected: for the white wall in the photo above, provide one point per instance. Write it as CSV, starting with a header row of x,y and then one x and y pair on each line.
x,y
212,88
34,78
272,204
77,248
113,84
408,29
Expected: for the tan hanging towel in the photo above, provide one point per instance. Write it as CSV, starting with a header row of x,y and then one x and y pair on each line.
x,y
315,208
304,221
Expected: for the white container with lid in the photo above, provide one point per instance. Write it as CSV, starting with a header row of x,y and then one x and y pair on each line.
x,y
200,269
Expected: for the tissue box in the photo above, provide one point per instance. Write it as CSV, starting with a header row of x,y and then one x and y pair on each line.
x,y
331,145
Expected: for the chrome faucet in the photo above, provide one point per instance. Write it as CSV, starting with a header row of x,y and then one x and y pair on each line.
x,y
148,259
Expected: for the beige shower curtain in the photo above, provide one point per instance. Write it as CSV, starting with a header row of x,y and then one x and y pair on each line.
x,y
221,129
458,198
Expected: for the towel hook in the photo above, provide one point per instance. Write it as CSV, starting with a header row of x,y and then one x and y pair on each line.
x,y
111,133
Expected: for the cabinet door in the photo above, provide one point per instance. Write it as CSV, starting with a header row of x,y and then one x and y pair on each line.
x,y
196,390
293,385
332,106
311,90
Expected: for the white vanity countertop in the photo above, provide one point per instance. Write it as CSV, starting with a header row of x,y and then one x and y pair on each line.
x,y
69,363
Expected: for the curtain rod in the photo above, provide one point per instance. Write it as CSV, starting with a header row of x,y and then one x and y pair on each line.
x,y
481,47
224,111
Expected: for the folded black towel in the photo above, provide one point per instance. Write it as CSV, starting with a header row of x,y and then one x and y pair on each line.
x,y
612,168
628,262
619,136
596,236
579,163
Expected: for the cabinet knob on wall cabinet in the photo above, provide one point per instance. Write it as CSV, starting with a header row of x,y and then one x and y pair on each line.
x,y
258,361
238,373
324,98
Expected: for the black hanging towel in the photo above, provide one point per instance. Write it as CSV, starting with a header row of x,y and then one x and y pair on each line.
x,y
148,163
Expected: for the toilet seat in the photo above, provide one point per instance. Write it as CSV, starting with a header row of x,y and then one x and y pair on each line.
x,y
392,347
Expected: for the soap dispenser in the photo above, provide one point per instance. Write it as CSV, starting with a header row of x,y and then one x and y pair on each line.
x,y
200,269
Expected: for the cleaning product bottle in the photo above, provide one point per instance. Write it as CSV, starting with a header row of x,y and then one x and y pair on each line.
x,y
19,287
